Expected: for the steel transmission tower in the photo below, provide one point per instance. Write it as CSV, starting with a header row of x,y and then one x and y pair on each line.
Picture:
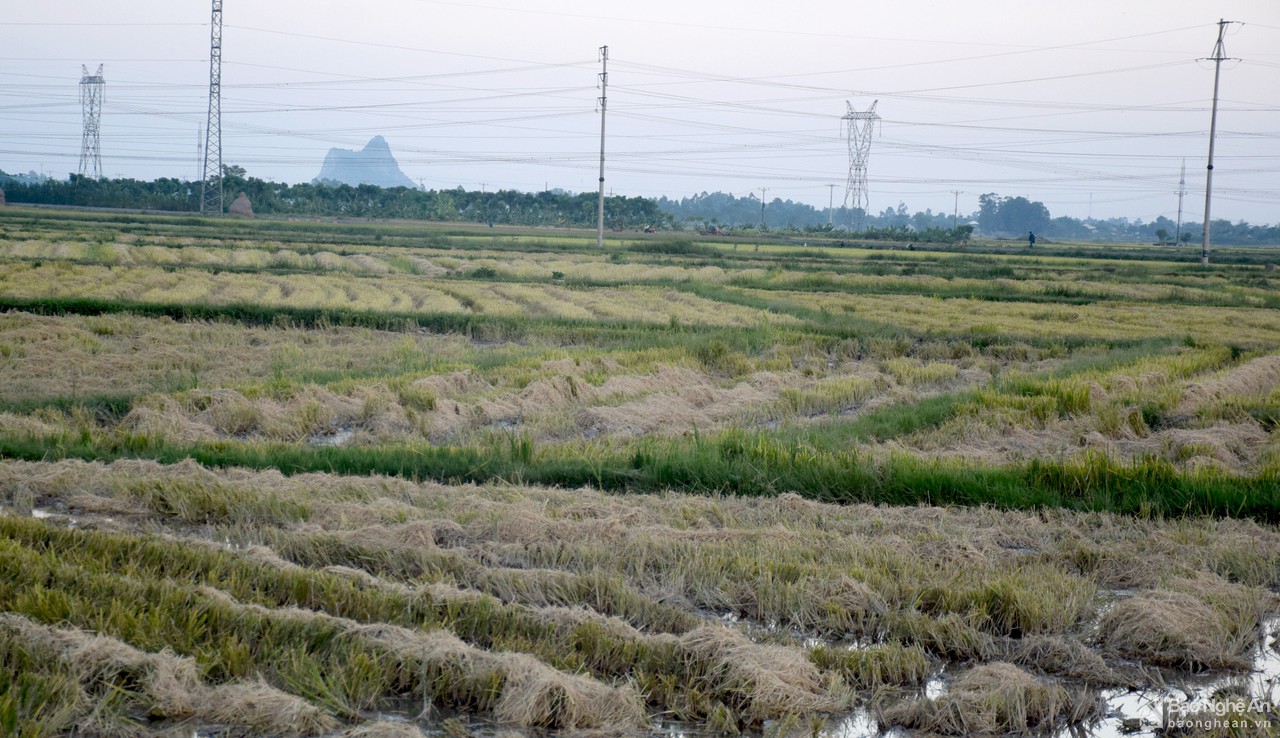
x,y
92,92
859,127
211,183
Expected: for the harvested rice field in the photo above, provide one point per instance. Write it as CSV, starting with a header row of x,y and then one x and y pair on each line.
x,y
327,479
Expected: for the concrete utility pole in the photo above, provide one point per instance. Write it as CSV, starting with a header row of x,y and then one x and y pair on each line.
x,y
1182,190
762,191
604,101
91,97
211,182
1219,56
831,199
955,213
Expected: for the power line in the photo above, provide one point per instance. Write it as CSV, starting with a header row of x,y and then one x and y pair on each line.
x,y
377,44
93,24
949,61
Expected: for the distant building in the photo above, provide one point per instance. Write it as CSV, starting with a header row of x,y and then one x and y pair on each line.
x,y
30,178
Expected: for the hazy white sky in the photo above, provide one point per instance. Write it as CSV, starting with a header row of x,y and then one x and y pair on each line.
x,y
1089,106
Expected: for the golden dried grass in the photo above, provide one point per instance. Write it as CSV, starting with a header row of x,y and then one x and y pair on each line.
x,y
160,416
687,400
532,693
135,355
170,682
996,698
772,680
170,685
1257,376
1065,658
265,710
918,576
1170,628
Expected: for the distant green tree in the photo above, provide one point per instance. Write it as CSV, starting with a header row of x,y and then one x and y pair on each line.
x,y
1011,215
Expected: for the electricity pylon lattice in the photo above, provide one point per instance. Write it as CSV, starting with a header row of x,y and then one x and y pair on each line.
x,y
92,91
211,183
859,126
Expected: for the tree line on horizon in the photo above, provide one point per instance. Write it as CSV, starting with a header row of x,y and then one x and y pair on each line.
x,y
998,216
504,207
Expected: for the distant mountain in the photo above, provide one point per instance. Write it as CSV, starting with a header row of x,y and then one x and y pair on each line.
x,y
372,165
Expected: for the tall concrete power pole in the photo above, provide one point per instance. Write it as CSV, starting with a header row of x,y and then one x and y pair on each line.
x,y
92,93
211,183
1182,191
1219,56
604,102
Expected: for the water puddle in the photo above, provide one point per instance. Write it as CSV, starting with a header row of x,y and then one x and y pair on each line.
x,y
1128,714
1131,714
1142,713
340,437
859,725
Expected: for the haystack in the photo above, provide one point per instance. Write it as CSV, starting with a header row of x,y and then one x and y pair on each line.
x,y
241,207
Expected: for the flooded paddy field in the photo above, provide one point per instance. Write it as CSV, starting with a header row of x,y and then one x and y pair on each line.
x,y
304,479
542,608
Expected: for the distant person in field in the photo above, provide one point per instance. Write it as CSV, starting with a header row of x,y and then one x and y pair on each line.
x,y
1031,239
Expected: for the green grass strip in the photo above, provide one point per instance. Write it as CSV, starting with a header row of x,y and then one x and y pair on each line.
x,y
567,331
735,462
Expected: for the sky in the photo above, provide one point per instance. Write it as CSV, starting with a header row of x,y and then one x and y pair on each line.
x,y
1091,106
